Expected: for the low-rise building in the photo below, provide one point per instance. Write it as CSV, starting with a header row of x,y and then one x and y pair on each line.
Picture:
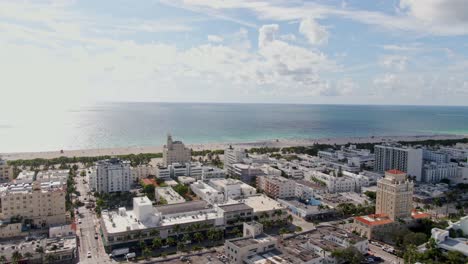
x,y
232,188
265,208
374,226
186,180
207,193
236,214
55,250
435,172
446,243
142,171
212,173
311,247
68,230
306,190
127,227
291,170
168,195
276,186
247,172
43,176
336,183
308,209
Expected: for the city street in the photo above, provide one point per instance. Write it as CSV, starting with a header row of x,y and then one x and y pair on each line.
x,y
387,257
87,229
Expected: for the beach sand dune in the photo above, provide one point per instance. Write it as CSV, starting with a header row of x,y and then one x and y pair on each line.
x,y
213,146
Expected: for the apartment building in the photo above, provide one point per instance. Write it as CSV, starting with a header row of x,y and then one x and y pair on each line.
x,y
276,186
27,176
112,175
168,194
247,173
435,172
142,172
394,195
38,204
207,192
335,183
175,152
232,188
397,157
6,171
233,156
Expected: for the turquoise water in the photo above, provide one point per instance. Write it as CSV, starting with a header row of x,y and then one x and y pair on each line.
x,y
144,124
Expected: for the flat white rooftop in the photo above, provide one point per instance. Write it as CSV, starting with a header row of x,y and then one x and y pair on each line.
x,y
261,203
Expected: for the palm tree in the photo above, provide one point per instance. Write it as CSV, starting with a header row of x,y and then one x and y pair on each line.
x,y
157,243
147,252
198,237
28,255
3,259
154,232
16,257
186,238
290,218
171,241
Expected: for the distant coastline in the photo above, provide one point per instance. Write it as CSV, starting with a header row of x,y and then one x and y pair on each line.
x,y
214,146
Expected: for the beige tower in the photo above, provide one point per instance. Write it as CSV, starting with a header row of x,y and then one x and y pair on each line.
x,y
175,152
394,195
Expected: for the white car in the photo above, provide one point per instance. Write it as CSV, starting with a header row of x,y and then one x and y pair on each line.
x,y
88,254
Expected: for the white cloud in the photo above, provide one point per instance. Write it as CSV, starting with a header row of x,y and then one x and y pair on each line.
x,y
449,15
315,33
267,34
396,62
215,38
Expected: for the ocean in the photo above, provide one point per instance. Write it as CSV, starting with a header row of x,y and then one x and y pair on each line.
x,y
109,125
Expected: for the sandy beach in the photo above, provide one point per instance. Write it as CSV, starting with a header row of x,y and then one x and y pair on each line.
x,y
214,146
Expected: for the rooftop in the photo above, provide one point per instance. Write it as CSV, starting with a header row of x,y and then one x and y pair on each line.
x,y
149,182
415,214
395,172
182,207
248,241
235,207
261,203
374,219
171,196
10,188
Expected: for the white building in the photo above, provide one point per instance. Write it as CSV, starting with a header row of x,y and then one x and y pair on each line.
x,y
291,170
163,172
175,152
231,157
212,173
42,176
276,186
142,172
434,172
247,172
406,159
207,192
232,188
336,184
61,231
445,242
168,194
112,175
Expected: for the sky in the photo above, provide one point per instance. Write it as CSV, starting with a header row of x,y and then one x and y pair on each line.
x,y
63,52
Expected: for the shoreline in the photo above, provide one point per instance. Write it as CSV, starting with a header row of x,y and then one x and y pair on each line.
x,y
214,146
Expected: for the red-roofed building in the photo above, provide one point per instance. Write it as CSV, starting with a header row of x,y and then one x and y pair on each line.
x,y
148,181
416,215
373,226
395,172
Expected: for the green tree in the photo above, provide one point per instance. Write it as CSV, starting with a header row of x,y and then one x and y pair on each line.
x,y
414,239
16,257
349,254
147,252
157,243
410,255
455,257
171,241
149,191
186,238
198,237
3,259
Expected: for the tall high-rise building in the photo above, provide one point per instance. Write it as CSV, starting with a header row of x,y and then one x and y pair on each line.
x,y
112,175
6,171
396,157
394,195
175,152
231,157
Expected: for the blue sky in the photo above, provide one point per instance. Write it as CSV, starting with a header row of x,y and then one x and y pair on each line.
x,y
63,52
